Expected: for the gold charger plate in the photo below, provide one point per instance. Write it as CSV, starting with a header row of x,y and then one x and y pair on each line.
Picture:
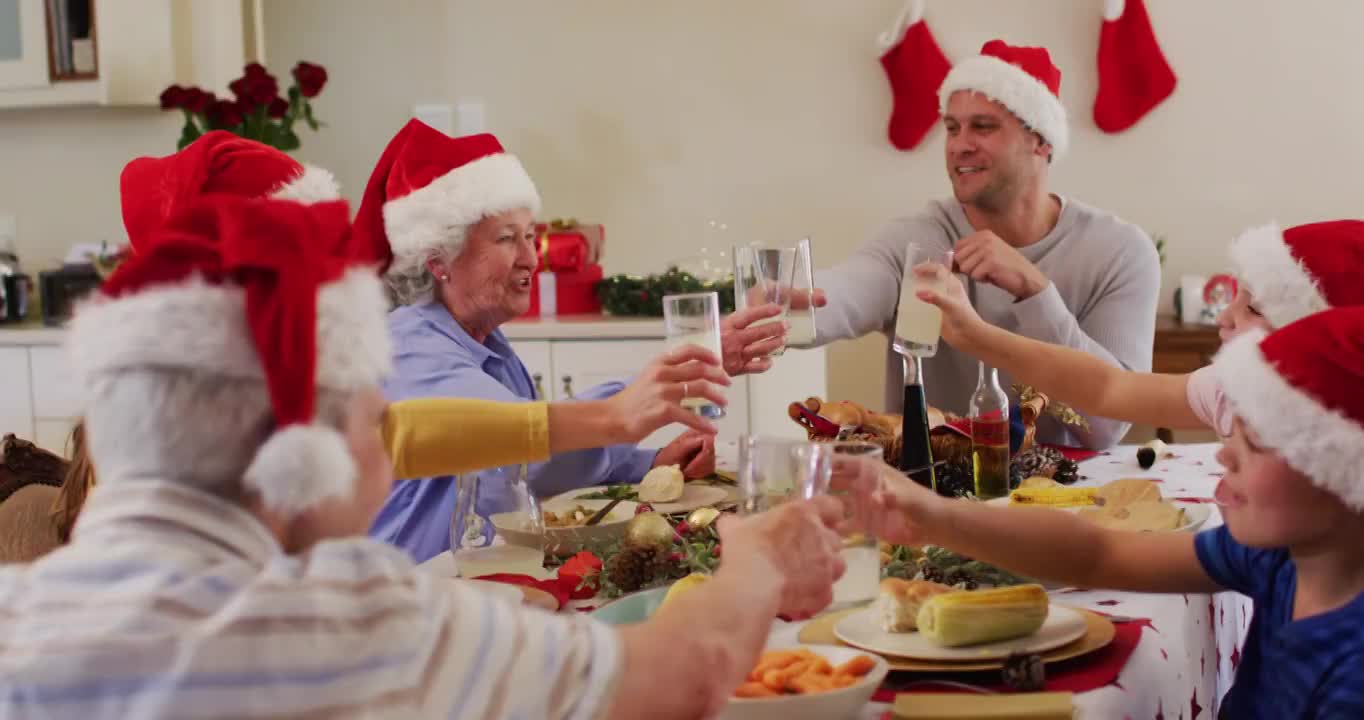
x,y
1099,632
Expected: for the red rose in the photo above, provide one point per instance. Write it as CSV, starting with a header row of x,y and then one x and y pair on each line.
x,y
254,90
580,567
310,78
173,98
254,69
278,107
224,114
197,100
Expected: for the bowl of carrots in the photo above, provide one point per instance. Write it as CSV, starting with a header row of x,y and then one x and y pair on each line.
x,y
827,682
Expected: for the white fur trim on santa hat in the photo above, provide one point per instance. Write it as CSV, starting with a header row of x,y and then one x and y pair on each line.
x,y
1319,442
1280,286
198,326
301,466
312,185
1007,84
438,215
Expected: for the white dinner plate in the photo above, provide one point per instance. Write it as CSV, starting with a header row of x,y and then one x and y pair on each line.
x,y
863,630
694,495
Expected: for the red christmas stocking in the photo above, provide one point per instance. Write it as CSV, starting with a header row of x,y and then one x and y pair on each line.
x,y
915,66
1133,74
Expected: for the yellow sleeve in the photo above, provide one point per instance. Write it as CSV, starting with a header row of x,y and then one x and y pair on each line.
x,y
427,437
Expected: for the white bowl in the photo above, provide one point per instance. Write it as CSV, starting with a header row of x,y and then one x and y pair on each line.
x,y
841,704
514,526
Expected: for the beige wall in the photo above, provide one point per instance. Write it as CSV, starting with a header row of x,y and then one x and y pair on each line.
x,y
770,114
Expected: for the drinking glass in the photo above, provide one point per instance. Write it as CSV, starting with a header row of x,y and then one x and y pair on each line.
x,y
774,471
761,276
801,334
918,324
694,319
474,530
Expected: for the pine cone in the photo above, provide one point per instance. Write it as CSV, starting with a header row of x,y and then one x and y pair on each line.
x,y
631,568
955,479
1067,472
666,565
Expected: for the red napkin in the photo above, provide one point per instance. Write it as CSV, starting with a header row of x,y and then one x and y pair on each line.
x,y
1075,454
560,589
1087,672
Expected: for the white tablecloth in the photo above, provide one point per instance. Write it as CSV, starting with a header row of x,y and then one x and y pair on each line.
x,y
1185,660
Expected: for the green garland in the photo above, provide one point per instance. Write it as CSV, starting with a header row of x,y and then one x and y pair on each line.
x,y
632,295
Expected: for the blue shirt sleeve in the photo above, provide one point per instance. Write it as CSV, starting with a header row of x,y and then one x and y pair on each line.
x,y
427,371
629,463
1233,565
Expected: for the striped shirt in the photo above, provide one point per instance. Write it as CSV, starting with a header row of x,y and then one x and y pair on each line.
x,y
1289,669
173,603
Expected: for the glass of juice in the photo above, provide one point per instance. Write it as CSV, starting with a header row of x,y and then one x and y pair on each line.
x,y
694,319
918,324
762,276
774,471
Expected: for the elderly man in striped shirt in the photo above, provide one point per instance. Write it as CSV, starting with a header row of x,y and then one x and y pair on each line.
x,y
220,569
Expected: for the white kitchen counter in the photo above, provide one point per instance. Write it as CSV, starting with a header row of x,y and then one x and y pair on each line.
x,y
568,327
30,333
585,327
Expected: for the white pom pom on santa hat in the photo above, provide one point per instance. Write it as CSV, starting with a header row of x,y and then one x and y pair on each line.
x,y
301,466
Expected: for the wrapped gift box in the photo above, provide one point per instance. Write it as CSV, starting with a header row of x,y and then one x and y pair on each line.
x,y
569,245
568,293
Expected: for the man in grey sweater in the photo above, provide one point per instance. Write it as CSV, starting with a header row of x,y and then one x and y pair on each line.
x,y
1040,264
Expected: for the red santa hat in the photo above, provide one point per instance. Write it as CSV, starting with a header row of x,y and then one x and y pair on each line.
x,y
1303,270
1022,79
154,189
255,290
1301,390
428,188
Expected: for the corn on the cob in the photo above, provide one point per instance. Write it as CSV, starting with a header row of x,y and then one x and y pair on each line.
x,y
979,616
1055,496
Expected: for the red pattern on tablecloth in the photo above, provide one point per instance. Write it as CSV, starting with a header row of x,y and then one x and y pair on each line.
x,y
561,590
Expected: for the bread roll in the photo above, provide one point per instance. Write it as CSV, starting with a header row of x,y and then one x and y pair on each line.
x,y
900,600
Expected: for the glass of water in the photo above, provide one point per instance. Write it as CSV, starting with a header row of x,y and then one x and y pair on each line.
x,y
801,334
510,505
694,319
775,471
764,276
918,325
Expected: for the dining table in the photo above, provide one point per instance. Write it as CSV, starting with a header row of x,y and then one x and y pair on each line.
x,y
1179,651
1189,644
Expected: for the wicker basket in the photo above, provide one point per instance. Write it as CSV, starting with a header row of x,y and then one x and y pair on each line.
x,y
949,446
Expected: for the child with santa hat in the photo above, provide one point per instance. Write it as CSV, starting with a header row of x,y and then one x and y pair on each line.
x,y
1293,501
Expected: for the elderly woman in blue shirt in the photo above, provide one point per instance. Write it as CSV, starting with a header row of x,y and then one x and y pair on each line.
x,y
459,216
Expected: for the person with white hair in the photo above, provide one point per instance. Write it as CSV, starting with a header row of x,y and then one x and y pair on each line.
x,y
458,215
424,436
231,372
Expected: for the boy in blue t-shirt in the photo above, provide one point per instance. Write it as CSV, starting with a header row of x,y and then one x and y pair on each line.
x,y
1293,502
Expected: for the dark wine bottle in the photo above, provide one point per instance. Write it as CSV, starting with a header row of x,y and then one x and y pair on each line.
x,y
916,454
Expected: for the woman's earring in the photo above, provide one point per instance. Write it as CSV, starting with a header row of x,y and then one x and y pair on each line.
x,y
445,278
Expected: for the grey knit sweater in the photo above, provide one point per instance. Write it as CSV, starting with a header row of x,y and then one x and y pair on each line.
x,y
1105,282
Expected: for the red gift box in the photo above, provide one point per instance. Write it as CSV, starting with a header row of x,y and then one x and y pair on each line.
x,y
566,246
574,293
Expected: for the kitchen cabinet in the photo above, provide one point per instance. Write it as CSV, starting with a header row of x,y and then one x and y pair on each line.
x,y
40,401
16,397
136,49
